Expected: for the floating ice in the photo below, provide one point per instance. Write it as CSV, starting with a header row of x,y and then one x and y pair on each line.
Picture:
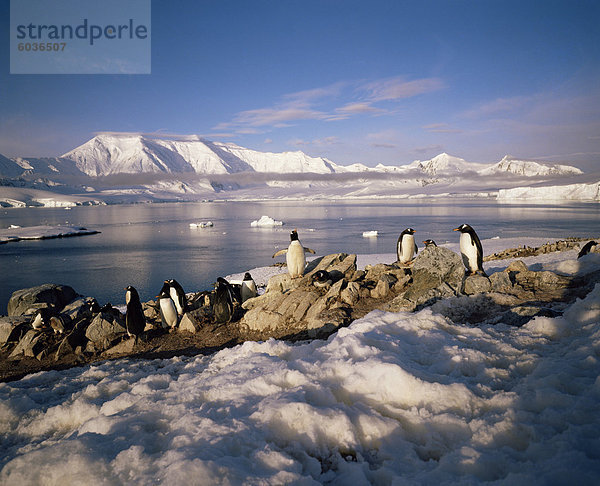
x,y
203,224
266,222
369,234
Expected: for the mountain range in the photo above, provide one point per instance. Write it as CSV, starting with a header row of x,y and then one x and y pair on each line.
x,y
191,167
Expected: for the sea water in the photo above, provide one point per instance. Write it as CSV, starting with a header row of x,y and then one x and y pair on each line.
x,y
144,244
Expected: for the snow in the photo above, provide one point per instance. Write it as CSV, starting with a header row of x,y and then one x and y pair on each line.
x,y
395,398
17,233
265,222
576,192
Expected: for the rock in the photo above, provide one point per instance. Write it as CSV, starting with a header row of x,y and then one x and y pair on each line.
x,y
351,294
437,273
501,282
47,295
123,348
477,284
12,328
335,290
382,290
262,320
283,283
32,345
78,308
105,329
189,323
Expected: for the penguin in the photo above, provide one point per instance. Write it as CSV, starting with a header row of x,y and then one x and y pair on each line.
x,y
429,243
135,322
321,279
590,246
248,290
294,255
168,310
406,248
178,295
471,250
59,323
41,318
223,306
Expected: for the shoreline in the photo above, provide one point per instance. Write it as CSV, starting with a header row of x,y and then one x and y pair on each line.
x,y
209,337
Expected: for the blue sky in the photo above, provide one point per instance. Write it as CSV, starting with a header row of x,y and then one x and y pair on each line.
x,y
355,81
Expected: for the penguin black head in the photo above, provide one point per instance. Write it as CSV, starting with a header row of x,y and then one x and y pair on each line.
x,y
321,276
464,228
294,235
221,281
131,295
409,231
429,243
247,276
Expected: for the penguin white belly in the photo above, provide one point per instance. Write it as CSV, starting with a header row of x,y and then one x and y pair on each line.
x,y
175,299
469,252
407,248
248,290
169,312
295,259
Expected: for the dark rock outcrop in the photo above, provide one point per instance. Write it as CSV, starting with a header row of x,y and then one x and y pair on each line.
x,y
27,301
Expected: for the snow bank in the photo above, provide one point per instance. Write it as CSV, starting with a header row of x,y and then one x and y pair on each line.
x,y
579,192
265,222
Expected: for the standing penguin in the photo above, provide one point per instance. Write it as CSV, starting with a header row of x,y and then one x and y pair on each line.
x,y
406,248
168,311
294,256
175,290
590,246
248,287
224,299
135,322
471,249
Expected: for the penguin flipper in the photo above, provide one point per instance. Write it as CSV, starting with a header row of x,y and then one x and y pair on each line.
x,y
416,249
280,252
309,250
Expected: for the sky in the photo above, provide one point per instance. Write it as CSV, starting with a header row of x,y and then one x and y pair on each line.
x,y
355,81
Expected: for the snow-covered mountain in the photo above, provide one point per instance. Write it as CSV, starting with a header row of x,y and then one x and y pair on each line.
x,y
148,168
445,164
529,168
131,154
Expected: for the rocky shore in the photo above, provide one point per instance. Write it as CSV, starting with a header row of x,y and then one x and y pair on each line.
x,y
294,309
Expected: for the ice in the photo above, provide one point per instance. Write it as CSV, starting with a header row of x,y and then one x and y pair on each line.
x,y
265,222
395,398
202,224
16,233
369,234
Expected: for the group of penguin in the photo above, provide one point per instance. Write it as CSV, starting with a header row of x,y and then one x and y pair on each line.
x,y
470,248
172,303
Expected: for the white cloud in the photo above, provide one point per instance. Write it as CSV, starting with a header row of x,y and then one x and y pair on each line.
x,y
441,128
398,87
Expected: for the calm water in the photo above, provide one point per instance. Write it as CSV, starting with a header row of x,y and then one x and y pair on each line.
x,y
143,245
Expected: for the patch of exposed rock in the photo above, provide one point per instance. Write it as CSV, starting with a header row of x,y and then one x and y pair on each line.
x,y
527,251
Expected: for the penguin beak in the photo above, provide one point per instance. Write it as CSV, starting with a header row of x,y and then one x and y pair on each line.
x,y
456,229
